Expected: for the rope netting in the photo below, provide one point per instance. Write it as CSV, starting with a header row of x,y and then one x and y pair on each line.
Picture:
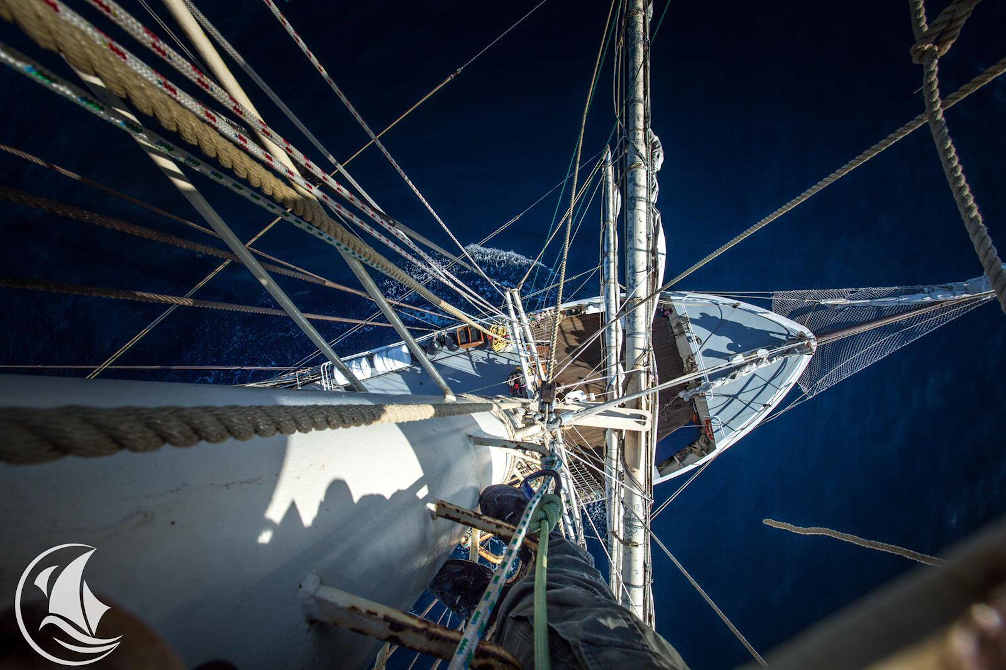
x,y
830,310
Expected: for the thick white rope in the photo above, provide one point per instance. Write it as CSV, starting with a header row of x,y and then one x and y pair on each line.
x,y
278,101
327,230
233,132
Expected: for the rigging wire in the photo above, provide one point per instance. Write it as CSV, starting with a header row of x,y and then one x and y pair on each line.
x,y
581,215
604,548
484,240
84,216
394,164
680,489
151,297
446,81
572,159
576,276
278,101
164,26
584,461
143,332
705,596
860,159
555,231
557,316
226,128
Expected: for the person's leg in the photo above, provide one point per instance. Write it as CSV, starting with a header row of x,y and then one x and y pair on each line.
x,y
587,627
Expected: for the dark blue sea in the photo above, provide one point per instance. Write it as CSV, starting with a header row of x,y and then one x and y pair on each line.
x,y
753,102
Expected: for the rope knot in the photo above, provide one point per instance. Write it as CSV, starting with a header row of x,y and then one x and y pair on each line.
x,y
941,34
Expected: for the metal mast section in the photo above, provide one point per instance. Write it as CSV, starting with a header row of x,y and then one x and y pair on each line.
x,y
638,253
613,388
215,62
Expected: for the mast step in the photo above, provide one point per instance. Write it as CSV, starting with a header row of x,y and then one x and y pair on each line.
x,y
466,517
490,441
327,604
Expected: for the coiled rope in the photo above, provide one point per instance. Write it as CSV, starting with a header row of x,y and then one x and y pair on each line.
x,y
33,435
933,41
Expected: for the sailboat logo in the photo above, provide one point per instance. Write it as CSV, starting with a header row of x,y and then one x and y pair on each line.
x,y
72,613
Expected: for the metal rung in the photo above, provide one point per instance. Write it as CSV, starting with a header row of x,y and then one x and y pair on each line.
x,y
489,441
445,510
329,605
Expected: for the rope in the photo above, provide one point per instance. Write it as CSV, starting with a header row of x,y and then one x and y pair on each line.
x,y
24,155
46,366
164,26
160,298
476,626
709,601
315,222
143,332
35,435
964,91
547,514
557,315
363,124
937,38
85,216
55,23
278,101
446,81
911,555
31,158
932,42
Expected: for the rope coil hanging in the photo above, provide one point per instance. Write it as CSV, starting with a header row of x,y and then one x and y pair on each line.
x,y
932,41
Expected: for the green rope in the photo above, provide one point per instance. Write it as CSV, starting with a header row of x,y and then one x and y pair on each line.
x,y
541,655
546,515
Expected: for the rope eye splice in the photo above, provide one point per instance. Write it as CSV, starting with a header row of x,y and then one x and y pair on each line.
x,y
537,515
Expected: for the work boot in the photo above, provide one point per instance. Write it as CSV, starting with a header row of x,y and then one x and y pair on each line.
x,y
503,502
460,584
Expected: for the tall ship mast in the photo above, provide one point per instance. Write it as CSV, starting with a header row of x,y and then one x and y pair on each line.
x,y
296,519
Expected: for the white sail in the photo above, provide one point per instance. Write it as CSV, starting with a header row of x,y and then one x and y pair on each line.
x,y
65,600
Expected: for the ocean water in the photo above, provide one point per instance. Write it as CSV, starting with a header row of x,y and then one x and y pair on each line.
x,y
753,104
